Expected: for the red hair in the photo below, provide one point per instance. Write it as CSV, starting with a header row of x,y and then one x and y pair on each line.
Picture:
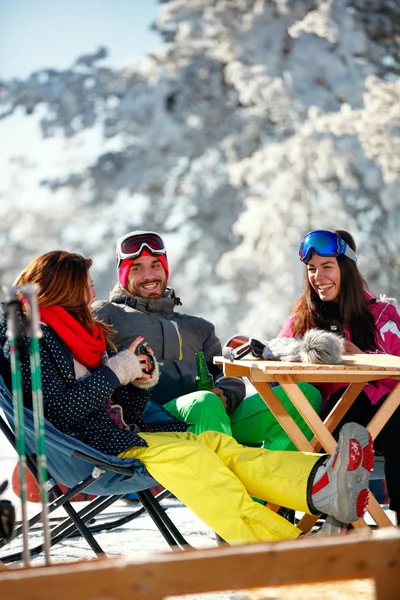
x,y
62,278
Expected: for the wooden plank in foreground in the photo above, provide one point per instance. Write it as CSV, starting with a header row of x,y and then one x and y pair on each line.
x,y
355,589
354,556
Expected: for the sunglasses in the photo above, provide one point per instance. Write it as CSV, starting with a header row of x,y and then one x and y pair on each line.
x,y
239,346
130,246
324,243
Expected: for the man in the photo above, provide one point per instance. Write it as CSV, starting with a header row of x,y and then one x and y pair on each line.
x,y
142,304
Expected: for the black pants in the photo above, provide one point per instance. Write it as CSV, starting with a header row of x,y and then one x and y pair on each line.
x,y
387,443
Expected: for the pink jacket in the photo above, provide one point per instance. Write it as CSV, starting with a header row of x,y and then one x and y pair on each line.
x,y
387,323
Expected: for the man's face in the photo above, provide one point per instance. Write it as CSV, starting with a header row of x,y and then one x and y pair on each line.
x,y
147,278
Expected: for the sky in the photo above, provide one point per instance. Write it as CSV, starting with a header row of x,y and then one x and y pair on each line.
x,y
36,34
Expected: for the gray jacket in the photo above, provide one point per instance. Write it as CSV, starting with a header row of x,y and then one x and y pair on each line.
x,y
174,337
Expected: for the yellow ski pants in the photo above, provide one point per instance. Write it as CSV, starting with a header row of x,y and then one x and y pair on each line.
x,y
215,477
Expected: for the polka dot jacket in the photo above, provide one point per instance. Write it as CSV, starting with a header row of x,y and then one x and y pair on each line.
x,y
78,407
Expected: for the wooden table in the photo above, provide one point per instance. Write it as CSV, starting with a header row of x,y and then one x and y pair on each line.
x,y
355,371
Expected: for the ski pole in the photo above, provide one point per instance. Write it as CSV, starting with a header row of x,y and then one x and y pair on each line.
x,y
35,333
15,334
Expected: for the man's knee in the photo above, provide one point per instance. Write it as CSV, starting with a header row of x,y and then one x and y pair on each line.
x,y
207,397
205,412
205,400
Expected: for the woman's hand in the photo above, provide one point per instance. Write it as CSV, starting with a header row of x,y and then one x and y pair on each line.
x,y
350,348
126,363
139,340
144,360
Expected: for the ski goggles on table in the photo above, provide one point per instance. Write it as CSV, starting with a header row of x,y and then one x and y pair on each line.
x,y
324,243
239,346
131,245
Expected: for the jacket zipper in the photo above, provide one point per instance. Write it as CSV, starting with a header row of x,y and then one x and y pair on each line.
x,y
178,333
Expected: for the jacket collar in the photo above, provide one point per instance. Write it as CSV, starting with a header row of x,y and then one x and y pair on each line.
x,y
164,306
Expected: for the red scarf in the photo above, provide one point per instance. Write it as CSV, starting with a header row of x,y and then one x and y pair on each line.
x,y
86,347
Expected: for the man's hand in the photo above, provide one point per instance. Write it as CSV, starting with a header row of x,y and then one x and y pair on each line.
x,y
218,392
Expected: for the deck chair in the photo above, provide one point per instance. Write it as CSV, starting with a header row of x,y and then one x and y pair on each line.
x,y
80,467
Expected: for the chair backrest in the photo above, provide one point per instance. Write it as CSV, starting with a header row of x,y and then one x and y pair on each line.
x,y
69,470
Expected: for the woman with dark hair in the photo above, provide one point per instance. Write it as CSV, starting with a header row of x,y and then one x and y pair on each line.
x,y
210,473
336,298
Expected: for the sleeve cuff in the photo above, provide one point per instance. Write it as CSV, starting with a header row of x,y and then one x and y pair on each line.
x,y
148,383
111,377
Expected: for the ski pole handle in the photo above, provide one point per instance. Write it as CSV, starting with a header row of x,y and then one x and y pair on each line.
x,y
30,292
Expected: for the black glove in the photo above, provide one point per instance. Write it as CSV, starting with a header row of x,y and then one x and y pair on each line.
x,y
7,516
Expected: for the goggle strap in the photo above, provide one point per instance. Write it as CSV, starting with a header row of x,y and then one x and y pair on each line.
x,y
349,252
236,353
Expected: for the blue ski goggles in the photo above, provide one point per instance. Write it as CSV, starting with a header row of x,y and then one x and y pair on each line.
x,y
324,243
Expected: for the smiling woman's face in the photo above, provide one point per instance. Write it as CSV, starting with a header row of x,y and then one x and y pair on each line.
x,y
323,273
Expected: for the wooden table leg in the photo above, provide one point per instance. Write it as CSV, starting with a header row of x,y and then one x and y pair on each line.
x,y
312,419
282,416
375,426
324,437
307,522
377,512
329,442
383,415
340,409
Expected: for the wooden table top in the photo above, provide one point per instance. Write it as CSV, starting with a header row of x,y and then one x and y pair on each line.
x,y
354,367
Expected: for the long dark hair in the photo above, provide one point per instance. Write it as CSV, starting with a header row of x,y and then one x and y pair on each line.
x,y
352,310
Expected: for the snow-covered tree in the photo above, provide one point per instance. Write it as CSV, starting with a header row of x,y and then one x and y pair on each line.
x,y
256,121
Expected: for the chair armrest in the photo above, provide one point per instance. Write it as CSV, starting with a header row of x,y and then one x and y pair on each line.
x,y
102,464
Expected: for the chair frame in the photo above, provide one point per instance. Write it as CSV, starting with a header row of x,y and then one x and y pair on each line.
x,y
75,522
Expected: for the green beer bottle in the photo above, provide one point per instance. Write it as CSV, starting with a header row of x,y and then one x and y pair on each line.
x,y
204,379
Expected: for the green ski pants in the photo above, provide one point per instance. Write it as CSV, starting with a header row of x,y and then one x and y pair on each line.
x,y
251,423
